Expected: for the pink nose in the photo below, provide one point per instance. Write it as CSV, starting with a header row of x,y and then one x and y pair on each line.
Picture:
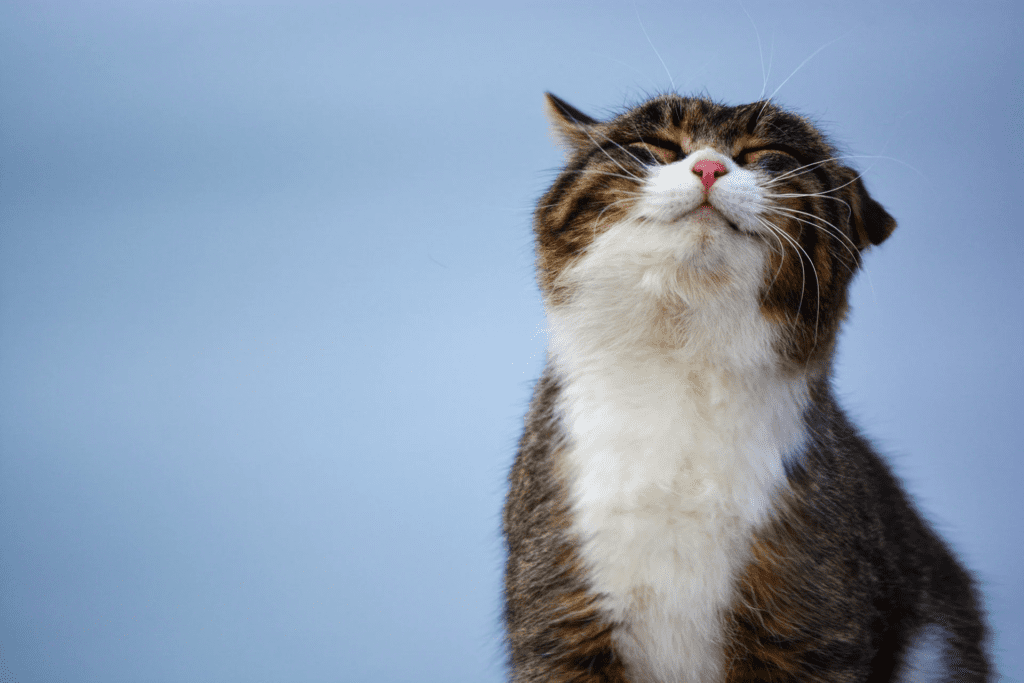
x,y
708,171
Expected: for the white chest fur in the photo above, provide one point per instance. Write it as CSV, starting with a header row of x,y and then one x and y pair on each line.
x,y
675,451
670,472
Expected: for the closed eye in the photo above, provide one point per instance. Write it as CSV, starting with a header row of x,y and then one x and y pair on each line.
x,y
665,151
666,145
750,154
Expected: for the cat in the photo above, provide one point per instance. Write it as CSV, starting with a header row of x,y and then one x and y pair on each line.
x,y
689,503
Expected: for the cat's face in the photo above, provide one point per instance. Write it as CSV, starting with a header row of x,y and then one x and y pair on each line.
x,y
698,207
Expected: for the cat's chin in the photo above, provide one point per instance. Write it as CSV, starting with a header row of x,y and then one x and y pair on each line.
x,y
707,212
706,238
713,258
700,217
711,216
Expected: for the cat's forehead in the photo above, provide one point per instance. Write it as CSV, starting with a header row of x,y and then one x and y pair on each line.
x,y
695,121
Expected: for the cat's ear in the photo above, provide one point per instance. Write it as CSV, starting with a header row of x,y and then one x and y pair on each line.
x,y
569,124
870,223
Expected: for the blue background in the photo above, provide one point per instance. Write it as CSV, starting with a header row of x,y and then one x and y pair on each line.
x,y
268,322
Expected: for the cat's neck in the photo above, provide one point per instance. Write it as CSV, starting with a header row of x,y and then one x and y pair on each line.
x,y
632,295
679,423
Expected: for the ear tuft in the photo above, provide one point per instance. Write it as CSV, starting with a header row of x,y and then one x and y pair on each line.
x,y
568,123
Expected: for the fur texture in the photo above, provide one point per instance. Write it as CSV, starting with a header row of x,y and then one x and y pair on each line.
x,y
688,502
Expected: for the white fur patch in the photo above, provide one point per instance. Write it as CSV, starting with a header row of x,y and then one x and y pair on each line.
x,y
925,658
679,418
674,189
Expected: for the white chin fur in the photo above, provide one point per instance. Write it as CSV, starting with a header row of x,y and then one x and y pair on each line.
x,y
679,419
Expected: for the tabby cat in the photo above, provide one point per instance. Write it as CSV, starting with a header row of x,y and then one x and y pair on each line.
x,y
689,503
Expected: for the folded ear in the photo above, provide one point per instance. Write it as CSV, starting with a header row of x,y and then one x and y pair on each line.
x,y
870,223
569,124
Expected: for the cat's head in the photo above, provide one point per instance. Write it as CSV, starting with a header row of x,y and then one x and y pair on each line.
x,y
699,211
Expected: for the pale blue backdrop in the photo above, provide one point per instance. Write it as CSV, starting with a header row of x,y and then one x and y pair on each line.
x,y
268,322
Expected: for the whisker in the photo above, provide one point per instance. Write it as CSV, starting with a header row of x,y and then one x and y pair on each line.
x,y
856,259
800,170
813,195
797,212
596,171
804,62
775,231
782,257
630,194
610,157
817,282
760,52
658,54
847,243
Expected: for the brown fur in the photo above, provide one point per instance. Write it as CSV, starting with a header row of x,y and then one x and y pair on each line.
x,y
809,288
555,630
847,573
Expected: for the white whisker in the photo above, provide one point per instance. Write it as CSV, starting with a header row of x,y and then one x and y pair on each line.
x,y
796,213
817,282
804,62
649,42
610,157
760,52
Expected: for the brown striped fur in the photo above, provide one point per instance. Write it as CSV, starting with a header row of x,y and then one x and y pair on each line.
x,y
556,631
809,290
843,579
846,574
